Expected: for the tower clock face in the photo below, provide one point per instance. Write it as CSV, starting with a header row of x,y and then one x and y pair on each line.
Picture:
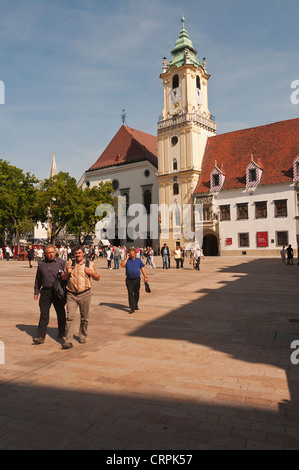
x,y
176,95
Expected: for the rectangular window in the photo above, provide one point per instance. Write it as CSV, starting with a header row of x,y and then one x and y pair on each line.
x,y
282,238
216,180
244,239
224,212
242,211
281,208
252,175
260,210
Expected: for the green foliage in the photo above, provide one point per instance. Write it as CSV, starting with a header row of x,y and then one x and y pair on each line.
x,y
71,207
58,199
83,221
18,199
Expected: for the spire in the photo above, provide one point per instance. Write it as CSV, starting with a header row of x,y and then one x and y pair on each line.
x,y
53,167
183,50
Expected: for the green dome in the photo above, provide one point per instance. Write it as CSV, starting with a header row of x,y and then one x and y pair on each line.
x,y
179,52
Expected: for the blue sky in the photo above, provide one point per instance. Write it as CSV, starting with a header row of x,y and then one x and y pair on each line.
x,y
71,66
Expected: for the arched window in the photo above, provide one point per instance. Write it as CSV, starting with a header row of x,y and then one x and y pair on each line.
x,y
197,82
147,200
174,164
175,81
175,189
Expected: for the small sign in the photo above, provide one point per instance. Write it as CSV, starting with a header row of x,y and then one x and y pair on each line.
x,y
229,241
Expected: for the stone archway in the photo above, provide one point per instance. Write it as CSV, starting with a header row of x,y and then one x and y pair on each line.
x,y
210,245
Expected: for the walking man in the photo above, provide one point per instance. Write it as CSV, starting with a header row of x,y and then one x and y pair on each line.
x,y
133,267
116,257
30,254
165,253
46,275
78,275
289,251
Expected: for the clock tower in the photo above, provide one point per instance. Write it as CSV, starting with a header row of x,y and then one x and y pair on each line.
x,y
183,130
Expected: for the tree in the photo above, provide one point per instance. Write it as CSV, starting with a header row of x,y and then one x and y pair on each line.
x,y
70,207
18,200
57,199
84,219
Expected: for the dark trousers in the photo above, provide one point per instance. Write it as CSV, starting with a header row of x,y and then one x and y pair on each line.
x,y
46,299
133,286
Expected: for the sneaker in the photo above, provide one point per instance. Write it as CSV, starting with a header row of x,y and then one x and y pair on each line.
x,y
38,340
67,345
82,340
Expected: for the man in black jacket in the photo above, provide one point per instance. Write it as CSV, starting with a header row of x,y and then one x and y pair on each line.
x,y
45,277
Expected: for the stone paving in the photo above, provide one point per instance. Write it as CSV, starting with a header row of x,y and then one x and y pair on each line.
x,y
204,364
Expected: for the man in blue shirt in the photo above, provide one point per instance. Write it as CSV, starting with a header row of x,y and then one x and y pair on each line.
x,y
133,267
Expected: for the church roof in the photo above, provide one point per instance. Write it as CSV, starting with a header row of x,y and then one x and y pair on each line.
x,y
128,146
274,147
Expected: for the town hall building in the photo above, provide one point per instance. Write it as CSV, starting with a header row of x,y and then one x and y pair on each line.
x,y
246,182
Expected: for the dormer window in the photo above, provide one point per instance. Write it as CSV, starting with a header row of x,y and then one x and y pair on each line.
x,y
296,169
254,173
217,179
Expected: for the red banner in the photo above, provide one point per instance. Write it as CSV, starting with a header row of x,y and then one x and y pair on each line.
x,y
262,239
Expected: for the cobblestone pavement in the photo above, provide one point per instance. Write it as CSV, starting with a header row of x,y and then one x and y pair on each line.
x,y
204,364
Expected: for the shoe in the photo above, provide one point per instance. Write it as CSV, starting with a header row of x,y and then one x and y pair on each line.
x,y
38,340
82,340
67,345
131,311
137,308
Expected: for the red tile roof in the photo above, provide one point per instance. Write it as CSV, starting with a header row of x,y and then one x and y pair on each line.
x,y
128,146
276,145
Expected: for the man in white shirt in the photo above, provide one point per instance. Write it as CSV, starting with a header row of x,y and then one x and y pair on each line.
x,y
198,254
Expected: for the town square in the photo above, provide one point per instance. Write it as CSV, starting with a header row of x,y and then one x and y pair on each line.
x,y
149,237
204,364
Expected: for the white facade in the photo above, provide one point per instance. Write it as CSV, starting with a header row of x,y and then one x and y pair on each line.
x,y
268,226
133,181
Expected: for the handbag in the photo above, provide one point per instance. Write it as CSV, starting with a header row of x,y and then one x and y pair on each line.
x,y
147,287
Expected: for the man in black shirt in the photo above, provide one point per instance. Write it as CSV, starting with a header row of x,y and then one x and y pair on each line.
x,y
30,254
45,277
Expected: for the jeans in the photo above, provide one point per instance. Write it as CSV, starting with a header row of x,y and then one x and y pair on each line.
x,y
165,261
116,262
